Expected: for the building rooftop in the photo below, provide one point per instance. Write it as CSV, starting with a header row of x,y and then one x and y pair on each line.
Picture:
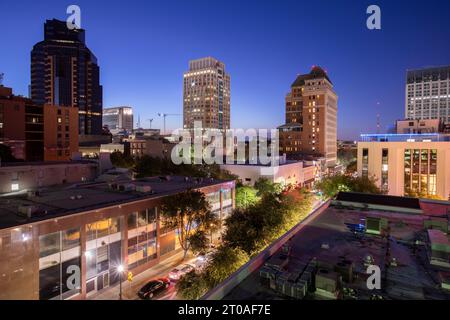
x,y
315,73
339,253
60,201
43,163
405,137
379,199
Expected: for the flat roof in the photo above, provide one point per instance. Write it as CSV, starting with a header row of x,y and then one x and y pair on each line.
x,y
43,163
379,199
330,241
60,201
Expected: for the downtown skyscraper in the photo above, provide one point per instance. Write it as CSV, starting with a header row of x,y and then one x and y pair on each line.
x,y
428,94
311,118
64,72
206,94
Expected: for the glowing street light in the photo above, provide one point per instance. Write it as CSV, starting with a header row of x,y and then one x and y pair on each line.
x,y
120,270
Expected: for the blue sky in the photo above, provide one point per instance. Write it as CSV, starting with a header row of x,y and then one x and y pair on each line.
x,y
143,48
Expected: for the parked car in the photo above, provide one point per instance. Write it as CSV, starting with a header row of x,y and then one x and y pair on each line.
x,y
180,271
153,287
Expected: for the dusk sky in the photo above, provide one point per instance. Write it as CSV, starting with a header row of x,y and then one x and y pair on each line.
x,y
143,48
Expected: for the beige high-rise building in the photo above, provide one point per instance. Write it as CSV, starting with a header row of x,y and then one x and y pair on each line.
x,y
311,118
206,94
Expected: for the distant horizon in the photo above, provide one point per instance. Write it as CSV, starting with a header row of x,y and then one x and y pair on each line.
x,y
144,48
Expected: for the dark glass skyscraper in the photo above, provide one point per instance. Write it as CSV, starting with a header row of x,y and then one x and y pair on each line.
x,y
64,72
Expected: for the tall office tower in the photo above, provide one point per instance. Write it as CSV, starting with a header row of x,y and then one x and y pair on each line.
x,y
427,94
64,72
118,119
206,94
311,118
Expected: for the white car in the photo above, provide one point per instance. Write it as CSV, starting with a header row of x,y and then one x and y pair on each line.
x,y
180,271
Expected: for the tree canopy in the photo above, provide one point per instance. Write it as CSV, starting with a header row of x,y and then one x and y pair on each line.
x,y
330,186
189,213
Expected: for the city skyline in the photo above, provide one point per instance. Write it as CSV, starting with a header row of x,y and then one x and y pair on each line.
x,y
150,79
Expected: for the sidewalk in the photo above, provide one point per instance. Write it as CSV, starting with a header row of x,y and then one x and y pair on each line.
x,y
130,289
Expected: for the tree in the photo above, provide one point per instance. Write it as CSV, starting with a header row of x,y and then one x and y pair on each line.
x,y
330,186
198,241
246,196
118,159
254,227
264,185
187,212
192,286
224,262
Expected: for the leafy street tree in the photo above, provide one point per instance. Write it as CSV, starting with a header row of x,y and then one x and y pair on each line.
x,y
188,212
225,261
192,286
264,186
246,196
198,241
332,185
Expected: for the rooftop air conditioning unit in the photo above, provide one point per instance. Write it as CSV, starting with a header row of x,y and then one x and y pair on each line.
x,y
143,188
28,210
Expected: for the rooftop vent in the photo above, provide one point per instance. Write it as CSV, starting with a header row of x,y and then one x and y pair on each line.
x,y
30,210
143,188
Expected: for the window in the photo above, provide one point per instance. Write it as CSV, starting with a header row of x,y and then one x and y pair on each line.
x,y
384,170
365,162
59,264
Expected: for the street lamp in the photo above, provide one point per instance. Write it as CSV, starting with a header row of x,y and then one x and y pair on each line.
x,y
120,270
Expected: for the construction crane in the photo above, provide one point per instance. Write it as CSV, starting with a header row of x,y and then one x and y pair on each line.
x,y
150,122
164,115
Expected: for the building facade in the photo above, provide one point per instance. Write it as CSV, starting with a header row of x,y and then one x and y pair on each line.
x,y
407,166
206,94
118,119
427,94
37,132
22,176
64,72
311,117
419,126
154,146
60,132
287,173
75,240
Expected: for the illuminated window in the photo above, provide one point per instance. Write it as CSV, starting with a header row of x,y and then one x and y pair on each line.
x,y
14,186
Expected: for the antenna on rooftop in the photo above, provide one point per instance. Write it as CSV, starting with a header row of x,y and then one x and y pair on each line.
x,y
378,120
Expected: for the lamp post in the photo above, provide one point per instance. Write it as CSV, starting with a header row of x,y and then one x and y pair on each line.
x,y
120,270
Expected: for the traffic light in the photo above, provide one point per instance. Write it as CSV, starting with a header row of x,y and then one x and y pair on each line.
x,y
130,276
